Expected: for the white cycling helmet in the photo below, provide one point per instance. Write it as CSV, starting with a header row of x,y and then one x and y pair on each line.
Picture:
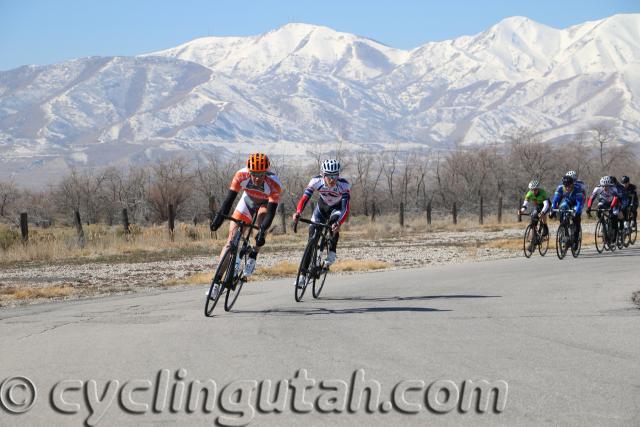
x,y
534,184
572,174
330,167
605,180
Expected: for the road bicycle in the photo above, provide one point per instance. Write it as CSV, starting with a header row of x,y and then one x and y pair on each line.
x,y
533,237
312,266
631,230
229,276
566,236
605,235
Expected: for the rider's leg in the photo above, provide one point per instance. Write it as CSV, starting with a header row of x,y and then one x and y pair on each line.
x,y
253,255
333,240
578,229
232,231
545,227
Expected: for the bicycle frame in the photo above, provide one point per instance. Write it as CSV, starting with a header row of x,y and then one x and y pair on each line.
x,y
226,275
308,266
566,230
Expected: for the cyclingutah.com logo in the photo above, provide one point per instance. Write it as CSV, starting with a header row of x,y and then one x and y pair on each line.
x,y
236,403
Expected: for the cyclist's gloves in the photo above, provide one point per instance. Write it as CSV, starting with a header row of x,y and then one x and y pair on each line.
x,y
216,222
260,238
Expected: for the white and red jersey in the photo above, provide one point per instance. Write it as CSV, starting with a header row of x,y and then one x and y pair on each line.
x,y
608,195
269,191
336,197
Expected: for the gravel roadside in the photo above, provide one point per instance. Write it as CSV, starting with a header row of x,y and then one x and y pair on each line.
x,y
99,278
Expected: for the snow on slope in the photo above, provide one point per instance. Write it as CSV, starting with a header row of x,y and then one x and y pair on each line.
x,y
311,84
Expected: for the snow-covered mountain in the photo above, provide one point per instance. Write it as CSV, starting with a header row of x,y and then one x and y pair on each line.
x,y
304,84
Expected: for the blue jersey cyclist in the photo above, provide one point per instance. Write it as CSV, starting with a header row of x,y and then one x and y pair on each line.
x,y
568,196
580,185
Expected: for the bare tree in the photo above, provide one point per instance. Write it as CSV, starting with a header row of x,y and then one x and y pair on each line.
x,y
81,191
604,135
172,183
8,196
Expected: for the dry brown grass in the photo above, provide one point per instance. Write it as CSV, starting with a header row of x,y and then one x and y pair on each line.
x,y
387,226
280,269
108,244
360,265
283,269
505,244
202,278
14,293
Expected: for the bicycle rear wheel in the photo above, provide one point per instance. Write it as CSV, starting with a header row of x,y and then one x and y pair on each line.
x,y
600,237
529,239
613,236
307,272
218,278
543,243
575,249
626,234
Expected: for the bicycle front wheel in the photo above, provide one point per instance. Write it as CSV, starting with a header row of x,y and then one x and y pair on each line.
x,y
529,241
320,273
600,237
305,270
218,279
575,248
235,285
634,232
562,241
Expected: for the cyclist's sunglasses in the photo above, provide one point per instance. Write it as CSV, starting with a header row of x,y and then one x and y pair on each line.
x,y
332,175
258,174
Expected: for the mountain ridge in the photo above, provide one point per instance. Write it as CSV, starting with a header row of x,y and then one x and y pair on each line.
x,y
311,84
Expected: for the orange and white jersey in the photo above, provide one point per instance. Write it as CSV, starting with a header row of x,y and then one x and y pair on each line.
x,y
269,191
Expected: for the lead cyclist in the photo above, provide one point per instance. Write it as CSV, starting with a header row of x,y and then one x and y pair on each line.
x,y
332,207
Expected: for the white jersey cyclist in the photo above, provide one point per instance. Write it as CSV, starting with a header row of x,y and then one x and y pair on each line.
x,y
332,207
336,196
606,194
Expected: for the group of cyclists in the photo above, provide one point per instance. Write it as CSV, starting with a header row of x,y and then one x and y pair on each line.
x,y
262,192
618,198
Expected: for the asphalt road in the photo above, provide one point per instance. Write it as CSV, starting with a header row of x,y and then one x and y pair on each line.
x,y
563,335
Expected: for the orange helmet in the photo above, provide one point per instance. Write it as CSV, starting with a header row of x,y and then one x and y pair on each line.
x,y
258,162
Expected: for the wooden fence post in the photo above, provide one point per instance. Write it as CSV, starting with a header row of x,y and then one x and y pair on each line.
x,y
79,231
519,204
125,221
401,214
171,222
24,227
429,213
455,213
481,219
373,211
283,218
499,209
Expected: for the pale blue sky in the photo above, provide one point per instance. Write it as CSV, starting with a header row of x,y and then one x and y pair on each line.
x,y
44,32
